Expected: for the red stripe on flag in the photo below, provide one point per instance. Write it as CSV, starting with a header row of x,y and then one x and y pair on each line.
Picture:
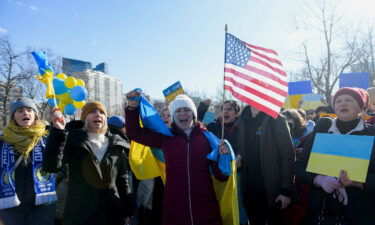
x,y
256,81
262,49
257,60
253,103
273,60
254,92
266,74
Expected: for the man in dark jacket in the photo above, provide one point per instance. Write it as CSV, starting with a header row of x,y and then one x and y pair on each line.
x,y
267,164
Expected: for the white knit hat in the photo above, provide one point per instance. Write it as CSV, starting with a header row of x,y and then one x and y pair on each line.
x,y
183,101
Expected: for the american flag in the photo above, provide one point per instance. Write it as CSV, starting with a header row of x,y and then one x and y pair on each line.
x,y
254,75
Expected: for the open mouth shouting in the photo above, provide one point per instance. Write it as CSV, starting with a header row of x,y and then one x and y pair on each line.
x,y
97,123
24,117
344,110
26,121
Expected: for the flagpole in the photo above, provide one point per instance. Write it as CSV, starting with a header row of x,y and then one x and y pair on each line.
x,y
222,107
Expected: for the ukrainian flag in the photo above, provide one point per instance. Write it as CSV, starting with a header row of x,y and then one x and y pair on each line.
x,y
147,163
332,153
46,72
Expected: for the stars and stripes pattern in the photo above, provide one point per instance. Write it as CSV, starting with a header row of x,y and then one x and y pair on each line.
x,y
255,75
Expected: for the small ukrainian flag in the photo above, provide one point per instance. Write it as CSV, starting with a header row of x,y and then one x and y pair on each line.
x,y
332,153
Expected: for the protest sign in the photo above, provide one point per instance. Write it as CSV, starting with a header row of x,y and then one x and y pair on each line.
x,y
172,91
357,80
299,87
332,153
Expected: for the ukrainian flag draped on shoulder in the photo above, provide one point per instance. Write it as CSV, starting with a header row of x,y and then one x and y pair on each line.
x,y
147,163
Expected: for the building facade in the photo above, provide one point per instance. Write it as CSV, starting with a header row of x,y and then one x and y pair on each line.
x,y
72,65
102,67
104,88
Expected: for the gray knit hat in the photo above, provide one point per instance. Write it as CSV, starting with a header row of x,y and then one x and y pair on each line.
x,y
22,102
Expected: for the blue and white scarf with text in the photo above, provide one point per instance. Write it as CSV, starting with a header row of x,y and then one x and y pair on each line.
x,y
44,183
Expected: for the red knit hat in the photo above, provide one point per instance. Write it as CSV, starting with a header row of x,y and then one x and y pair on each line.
x,y
365,97
356,93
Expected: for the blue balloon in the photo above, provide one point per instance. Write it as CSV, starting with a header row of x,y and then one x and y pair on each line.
x,y
59,86
51,102
78,93
70,109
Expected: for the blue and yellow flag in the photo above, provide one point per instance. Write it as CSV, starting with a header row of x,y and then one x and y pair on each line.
x,y
46,72
332,153
147,163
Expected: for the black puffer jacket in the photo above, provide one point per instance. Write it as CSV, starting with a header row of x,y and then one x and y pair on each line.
x,y
98,193
361,203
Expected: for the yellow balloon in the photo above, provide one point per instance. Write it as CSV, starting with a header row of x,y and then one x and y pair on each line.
x,y
61,76
61,106
80,82
70,82
65,98
79,105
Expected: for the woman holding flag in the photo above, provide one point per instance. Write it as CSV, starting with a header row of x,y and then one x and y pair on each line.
x,y
27,192
189,196
340,200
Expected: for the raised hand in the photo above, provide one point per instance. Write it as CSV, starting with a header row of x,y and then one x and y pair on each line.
x,y
131,96
58,119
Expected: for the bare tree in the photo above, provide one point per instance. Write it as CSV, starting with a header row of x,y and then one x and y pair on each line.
x,y
11,71
337,50
366,62
196,95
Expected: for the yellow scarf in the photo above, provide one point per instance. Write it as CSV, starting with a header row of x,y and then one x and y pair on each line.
x,y
24,139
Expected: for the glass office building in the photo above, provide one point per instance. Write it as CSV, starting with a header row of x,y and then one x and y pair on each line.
x,y
102,67
72,65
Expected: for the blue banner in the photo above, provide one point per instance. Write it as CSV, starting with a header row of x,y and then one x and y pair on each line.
x,y
299,87
357,80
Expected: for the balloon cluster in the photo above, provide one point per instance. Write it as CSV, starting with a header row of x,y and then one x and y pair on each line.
x,y
70,93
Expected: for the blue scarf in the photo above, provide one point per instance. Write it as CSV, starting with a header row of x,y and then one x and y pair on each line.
x,y
44,183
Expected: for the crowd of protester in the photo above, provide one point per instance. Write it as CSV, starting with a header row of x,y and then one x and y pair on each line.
x,y
78,172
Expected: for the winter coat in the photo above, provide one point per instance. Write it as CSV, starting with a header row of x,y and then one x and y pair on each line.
x,y
277,156
361,203
189,196
98,193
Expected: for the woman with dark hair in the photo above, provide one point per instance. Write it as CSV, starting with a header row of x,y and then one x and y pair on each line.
x,y
296,123
230,112
27,192
340,200
166,116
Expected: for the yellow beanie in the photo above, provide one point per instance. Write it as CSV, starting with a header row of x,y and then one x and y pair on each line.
x,y
91,106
